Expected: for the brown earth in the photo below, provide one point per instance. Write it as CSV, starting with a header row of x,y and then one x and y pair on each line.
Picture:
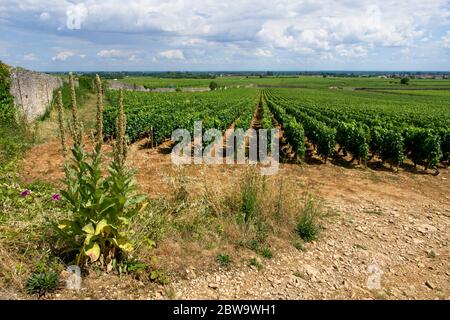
x,y
378,223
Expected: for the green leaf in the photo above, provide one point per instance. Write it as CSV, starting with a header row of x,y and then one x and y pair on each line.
x,y
89,239
89,228
124,244
102,226
92,251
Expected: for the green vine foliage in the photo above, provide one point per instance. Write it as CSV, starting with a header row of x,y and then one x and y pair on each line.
x,y
295,133
423,146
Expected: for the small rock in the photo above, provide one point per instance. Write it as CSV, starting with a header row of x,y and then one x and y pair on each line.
x,y
426,228
430,285
360,229
213,285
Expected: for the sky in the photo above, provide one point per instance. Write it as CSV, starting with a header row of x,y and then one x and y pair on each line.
x,y
204,35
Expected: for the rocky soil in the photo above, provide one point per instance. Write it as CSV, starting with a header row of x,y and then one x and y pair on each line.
x,y
385,236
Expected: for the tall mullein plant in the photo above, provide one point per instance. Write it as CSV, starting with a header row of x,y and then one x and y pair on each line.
x,y
120,148
62,130
99,124
75,126
101,205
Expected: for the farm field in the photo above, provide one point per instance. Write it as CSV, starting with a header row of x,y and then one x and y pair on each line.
x,y
370,167
300,81
365,124
253,151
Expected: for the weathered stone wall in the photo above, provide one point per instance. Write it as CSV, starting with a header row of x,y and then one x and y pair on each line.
x,y
33,91
116,85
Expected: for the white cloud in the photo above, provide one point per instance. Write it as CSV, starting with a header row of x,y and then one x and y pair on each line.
x,y
172,54
226,31
263,53
45,16
113,54
76,16
133,58
405,50
446,40
82,56
63,55
30,57
194,42
352,30
354,51
119,54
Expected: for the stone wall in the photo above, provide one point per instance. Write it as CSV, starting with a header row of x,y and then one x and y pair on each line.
x,y
116,85
33,91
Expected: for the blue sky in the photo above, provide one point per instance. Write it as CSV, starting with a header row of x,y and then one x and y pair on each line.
x,y
56,35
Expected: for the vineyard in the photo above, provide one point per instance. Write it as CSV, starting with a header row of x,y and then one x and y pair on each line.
x,y
147,220
391,131
371,83
162,113
365,125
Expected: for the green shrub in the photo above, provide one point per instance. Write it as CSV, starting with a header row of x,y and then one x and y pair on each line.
x,y
14,138
266,252
213,85
159,276
307,226
404,81
223,259
256,263
42,283
132,266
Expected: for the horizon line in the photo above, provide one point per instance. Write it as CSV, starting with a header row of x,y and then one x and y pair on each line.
x,y
249,71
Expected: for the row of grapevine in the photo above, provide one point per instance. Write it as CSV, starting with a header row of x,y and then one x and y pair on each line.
x,y
294,131
327,127
162,113
322,137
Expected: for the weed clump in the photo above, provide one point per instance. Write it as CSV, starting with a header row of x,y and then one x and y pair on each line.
x,y
42,283
307,227
223,259
255,263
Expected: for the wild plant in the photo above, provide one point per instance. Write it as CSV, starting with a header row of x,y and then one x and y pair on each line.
x,y
307,226
101,204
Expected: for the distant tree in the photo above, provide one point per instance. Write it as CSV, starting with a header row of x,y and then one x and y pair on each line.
x,y
404,81
213,85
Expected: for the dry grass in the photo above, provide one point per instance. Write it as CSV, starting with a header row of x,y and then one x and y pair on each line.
x,y
194,212
202,217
